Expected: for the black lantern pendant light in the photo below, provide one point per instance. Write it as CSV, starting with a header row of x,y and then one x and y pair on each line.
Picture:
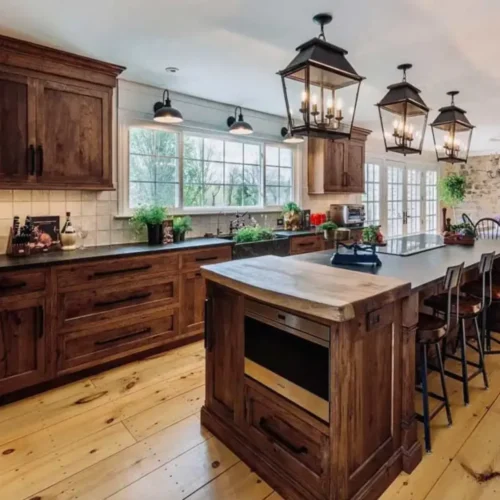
x,y
403,116
165,113
452,133
240,126
321,82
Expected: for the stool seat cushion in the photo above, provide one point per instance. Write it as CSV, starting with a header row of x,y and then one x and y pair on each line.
x,y
430,329
475,288
468,306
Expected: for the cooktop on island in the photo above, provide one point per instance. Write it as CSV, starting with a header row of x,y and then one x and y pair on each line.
x,y
410,245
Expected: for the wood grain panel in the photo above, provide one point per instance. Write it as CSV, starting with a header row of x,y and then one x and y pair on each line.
x,y
193,260
306,244
192,298
21,282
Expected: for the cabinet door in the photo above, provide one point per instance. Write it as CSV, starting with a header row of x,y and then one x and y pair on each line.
x,y
17,130
73,136
224,339
22,344
355,178
192,303
336,154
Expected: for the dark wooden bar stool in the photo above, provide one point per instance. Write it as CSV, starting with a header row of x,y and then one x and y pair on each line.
x,y
432,330
464,307
487,289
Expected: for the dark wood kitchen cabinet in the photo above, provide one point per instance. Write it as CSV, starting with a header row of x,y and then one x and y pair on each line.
x,y
192,288
337,166
22,342
55,118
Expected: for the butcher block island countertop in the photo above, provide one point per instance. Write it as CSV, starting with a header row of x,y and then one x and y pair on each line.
x,y
323,292
309,376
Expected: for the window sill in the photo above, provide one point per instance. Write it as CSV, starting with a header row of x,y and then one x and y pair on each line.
x,y
215,211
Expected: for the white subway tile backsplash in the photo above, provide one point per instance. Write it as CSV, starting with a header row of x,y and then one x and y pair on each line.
x,y
103,238
103,208
117,224
57,208
89,196
90,240
6,210
89,208
103,222
20,195
74,207
89,222
6,195
73,196
40,208
103,196
57,195
117,237
40,195
21,208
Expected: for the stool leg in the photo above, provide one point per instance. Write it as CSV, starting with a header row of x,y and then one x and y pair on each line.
x,y
465,376
443,383
425,397
482,363
484,331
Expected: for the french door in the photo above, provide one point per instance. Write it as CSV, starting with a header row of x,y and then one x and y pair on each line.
x,y
401,197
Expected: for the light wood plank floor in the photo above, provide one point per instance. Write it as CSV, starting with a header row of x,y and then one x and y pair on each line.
x,y
134,433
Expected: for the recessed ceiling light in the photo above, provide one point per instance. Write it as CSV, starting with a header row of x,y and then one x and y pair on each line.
x,y
171,69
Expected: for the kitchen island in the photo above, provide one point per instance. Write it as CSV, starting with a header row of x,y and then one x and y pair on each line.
x,y
305,375
343,437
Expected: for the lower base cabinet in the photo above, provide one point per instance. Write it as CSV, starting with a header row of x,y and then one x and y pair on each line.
x,y
23,343
192,290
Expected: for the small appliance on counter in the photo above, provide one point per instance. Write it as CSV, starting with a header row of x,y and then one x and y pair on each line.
x,y
348,215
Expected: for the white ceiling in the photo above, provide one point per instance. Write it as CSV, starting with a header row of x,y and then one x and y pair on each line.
x,y
230,50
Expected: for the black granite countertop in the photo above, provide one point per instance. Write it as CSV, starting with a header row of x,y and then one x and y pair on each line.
x,y
421,269
91,253
292,234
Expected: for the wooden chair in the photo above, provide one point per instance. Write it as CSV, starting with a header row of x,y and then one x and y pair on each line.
x,y
487,229
431,330
465,307
467,220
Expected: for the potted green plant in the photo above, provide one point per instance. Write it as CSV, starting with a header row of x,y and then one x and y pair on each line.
x,y
291,215
372,235
328,229
452,191
182,225
152,217
460,234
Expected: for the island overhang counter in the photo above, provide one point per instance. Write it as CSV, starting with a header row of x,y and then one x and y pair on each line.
x,y
305,379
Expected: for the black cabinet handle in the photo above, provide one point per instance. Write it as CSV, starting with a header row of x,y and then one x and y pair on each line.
x,y
123,337
100,274
203,259
208,326
40,160
120,301
298,450
12,286
41,325
307,244
32,159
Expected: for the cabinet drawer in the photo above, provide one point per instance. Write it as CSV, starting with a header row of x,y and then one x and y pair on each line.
x,y
293,444
95,346
18,282
192,261
123,270
79,308
306,244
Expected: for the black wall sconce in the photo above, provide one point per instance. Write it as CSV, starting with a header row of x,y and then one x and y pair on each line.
x,y
165,113
240,126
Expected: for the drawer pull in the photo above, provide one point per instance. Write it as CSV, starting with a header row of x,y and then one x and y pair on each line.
x,y
11,286
100,274
204,259
123,337
307,244
264,425
282,317
120,301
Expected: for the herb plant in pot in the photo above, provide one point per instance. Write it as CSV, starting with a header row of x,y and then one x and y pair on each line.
x,y
152,217
182,225
291,214
328,229
372,235
452,191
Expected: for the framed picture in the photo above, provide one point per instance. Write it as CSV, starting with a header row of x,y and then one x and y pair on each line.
x,y
46,230
168,231
306,219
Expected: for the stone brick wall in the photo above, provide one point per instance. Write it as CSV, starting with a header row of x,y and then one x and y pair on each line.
x,y
483,192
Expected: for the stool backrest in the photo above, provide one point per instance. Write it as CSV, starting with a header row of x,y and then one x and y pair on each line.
x,y
487,229
486,273
451,284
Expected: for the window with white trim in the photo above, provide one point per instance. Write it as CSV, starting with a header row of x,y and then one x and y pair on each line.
x,y
187,170
371,196
431,201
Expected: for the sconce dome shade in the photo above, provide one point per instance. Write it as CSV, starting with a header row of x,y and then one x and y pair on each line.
x,y
240,126
167,114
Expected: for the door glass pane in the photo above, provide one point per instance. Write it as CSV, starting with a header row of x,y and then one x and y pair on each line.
x,y
431,214
371,196
394,201
413,201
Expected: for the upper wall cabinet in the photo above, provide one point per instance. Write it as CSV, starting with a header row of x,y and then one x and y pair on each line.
x,y
337,166
55,118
